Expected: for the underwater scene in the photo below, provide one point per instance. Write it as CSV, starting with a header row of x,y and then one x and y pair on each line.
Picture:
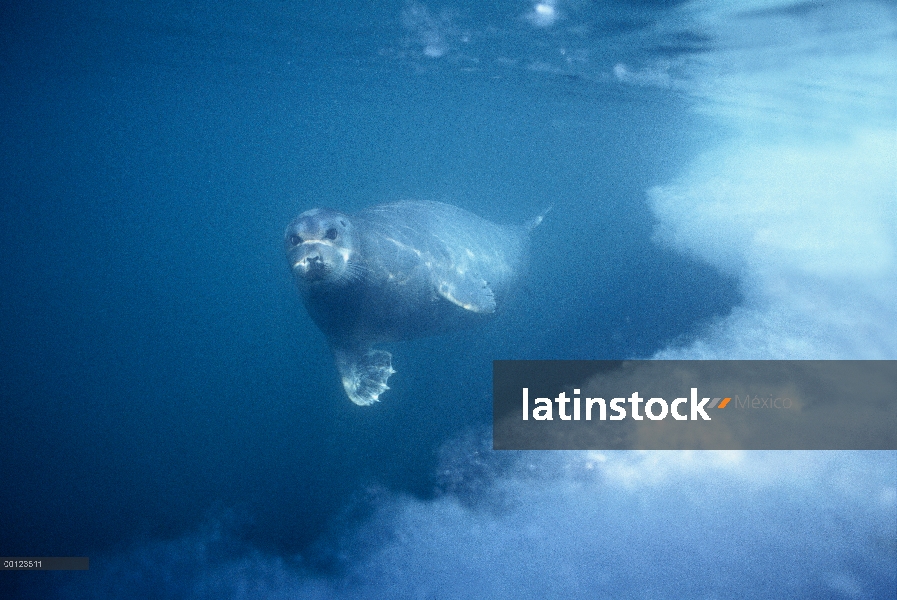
x,y
697,179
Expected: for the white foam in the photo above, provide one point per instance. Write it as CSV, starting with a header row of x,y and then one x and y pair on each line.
x,y
577,525
800,202
543,14
429,32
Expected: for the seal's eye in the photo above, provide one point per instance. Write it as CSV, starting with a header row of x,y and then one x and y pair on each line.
x,y
331,234
295,240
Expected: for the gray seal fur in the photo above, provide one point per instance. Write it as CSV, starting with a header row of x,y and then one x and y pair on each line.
x,y
397,272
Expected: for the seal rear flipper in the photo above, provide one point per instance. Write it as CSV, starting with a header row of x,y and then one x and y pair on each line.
x,y
364,373
470,294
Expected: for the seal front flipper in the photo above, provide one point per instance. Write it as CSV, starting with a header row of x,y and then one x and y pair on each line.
x,y
364,373
469,293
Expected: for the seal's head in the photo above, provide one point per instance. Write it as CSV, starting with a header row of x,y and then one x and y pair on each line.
x,y
318,244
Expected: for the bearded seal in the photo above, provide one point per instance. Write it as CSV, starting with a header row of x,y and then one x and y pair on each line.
x,y
396,272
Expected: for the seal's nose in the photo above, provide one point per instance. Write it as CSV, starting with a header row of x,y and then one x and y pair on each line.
x,y
313,263
312,266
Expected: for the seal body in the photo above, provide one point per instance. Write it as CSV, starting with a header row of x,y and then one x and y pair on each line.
x,y
396,272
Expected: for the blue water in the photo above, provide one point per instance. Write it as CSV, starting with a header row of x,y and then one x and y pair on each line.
x,y
723,184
